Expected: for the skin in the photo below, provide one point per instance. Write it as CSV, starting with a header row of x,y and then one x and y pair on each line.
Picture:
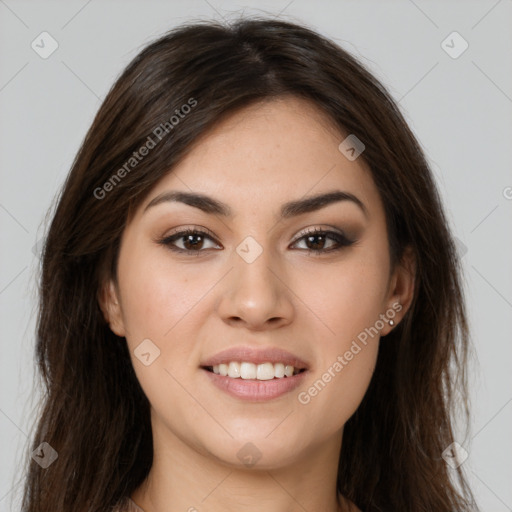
x,y
192,306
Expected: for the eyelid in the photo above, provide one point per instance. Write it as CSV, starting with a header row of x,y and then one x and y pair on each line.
x,y
307,231
331,232
316,229
192,228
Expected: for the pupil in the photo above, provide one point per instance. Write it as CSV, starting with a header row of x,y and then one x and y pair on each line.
x,y
318,245
189,240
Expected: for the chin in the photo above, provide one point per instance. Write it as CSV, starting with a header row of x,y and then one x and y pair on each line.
x,y
256,452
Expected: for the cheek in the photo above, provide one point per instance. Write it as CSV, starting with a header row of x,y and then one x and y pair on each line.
x,y
336,391
164,303
157,303
349,306
155,297
347,297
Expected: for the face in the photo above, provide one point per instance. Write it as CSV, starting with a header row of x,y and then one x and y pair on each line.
x,y
257,275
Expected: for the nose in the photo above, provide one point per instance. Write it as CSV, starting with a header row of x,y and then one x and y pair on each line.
x,y
256,295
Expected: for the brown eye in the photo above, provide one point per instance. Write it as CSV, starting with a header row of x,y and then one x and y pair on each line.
x,y
191,240
194,241
317,240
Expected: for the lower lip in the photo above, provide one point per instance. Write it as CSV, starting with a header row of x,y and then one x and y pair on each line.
x,y
256,390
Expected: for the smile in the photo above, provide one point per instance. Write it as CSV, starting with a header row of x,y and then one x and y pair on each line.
x,y
255,374
247,370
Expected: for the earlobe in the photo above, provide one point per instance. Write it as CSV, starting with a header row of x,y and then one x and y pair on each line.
x,y
109,304
401,289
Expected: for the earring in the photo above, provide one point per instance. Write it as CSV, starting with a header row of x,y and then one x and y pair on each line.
x,y
391,323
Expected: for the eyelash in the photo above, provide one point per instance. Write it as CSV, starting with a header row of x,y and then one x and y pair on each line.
x,y
341,240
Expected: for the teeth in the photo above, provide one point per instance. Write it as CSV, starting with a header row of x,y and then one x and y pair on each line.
x,y
279,370
234,370
264,371
223,369
248,371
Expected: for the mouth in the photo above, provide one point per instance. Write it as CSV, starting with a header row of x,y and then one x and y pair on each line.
x,y
251,371
255,374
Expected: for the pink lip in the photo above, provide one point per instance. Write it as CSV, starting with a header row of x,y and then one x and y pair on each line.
x,y
256,390
256,356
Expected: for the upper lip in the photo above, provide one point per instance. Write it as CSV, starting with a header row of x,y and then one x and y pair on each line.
x,y
256,356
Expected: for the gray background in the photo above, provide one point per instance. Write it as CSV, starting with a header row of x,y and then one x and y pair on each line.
x,y
460,109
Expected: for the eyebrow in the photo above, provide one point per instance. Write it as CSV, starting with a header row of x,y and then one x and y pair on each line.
x,y
291,209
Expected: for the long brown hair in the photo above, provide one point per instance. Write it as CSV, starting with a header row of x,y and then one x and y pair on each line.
x,y
95,414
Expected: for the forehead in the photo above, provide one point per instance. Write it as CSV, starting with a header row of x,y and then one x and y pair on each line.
x,y
268,153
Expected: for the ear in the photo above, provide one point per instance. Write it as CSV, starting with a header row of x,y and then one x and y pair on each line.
x,y
401,290
108,300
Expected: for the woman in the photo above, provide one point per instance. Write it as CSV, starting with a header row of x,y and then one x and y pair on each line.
x,y
250,298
